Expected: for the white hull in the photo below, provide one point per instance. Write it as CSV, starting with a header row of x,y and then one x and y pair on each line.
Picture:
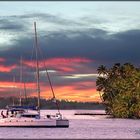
x,y
31,122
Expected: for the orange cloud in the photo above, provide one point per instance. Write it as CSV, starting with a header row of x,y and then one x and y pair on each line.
x,y
7,68
63,92
12,85
71,93
62,64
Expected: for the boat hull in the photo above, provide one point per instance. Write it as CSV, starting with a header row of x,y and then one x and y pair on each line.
x,y
34,123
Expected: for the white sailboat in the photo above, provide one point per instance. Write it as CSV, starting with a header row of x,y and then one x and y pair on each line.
x,y
29,116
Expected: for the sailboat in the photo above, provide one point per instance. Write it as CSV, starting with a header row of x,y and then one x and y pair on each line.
x,y
30,116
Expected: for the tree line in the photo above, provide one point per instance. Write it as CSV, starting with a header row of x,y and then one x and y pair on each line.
x,y
119,89
50,104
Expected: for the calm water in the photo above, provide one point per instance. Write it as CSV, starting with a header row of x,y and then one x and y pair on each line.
x,y
80,127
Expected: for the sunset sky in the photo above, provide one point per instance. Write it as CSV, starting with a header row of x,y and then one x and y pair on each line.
x,y
75,38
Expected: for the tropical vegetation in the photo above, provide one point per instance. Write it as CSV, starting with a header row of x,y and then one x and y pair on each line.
x,y
119,89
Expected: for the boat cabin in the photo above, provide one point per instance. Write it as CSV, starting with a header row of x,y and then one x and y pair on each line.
x,y
30,115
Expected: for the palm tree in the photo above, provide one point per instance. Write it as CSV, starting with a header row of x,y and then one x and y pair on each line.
x,y
100,82
102,70
121,90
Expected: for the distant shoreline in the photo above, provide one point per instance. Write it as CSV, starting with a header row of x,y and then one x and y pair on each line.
x,y
49,104
90,114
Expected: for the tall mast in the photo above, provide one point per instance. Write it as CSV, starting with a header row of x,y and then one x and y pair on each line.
x,y
14,90
37,68
20,80
25,93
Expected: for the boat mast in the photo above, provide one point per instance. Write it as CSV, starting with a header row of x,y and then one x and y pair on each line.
x,y
25,93
14,90
54,98
20,80
37,68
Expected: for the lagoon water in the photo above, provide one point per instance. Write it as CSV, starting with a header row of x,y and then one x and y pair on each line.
x,y
81,126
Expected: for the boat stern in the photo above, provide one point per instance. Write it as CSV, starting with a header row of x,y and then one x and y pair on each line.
x,y
62,123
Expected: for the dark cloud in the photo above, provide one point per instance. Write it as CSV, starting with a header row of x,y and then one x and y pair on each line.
x,y
95,44
8,25
62,80
121,47
45,17
6,76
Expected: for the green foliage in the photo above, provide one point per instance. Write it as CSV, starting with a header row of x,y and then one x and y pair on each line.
x,y
120,87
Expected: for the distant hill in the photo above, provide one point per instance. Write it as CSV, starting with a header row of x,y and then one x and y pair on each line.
x,y
49,104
